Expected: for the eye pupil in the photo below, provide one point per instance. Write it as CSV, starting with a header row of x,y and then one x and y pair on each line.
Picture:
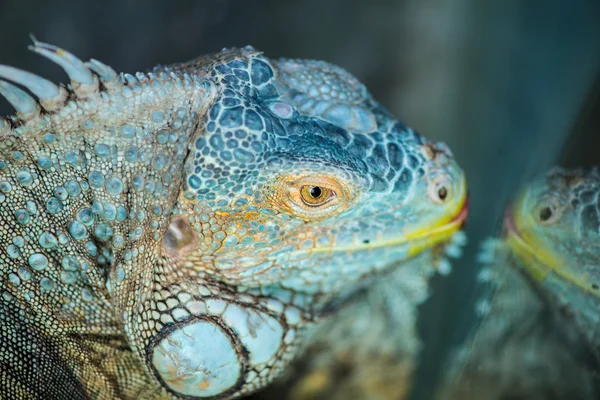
x,y
315,196
315,192
545,213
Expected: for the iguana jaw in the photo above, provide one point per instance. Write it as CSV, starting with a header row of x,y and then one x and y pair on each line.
x,y
536,257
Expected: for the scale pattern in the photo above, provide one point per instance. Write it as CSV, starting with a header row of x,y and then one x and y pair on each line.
x,y
174,234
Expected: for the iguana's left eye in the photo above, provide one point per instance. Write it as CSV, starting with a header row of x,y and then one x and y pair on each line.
x,y
312,196
315,196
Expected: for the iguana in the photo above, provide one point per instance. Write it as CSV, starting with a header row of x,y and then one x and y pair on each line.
x,y
539,337
174,234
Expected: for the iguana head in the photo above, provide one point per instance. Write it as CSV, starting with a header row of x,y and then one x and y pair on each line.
x,y
552,237
301,179
554,230
554,227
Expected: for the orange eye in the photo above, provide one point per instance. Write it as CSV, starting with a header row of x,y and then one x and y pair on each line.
x,y
315,196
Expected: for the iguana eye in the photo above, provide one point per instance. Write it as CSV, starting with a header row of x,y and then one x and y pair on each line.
x,y
312,196
315,196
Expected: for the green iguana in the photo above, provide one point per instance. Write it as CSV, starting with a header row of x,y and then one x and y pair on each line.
x,y
174,234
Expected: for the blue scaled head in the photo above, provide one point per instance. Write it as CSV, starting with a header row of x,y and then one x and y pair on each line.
x,y
299,178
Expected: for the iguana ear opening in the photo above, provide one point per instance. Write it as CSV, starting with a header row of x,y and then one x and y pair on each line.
x,y
180,238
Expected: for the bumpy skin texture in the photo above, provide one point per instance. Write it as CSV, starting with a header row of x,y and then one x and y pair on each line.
x,y
539,338
174,234
370,348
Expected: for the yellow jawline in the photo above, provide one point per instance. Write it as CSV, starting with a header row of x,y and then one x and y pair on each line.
x,y
539,261
419,240
536,261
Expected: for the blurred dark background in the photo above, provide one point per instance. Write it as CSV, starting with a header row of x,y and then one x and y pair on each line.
x,y
511,86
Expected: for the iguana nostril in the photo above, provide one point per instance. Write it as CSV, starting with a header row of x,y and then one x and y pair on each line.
x,y
545,213
439,188
442,193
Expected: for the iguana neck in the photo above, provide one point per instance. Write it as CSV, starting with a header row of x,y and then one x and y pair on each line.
x,y
578,306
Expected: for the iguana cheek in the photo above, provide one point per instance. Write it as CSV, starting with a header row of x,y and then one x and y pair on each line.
x,y
216,353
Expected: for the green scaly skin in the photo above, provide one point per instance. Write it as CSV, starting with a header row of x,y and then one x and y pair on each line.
x,y
539,338
175,234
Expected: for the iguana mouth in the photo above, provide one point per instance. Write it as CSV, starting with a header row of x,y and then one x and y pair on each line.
x,y
424,239
536,257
